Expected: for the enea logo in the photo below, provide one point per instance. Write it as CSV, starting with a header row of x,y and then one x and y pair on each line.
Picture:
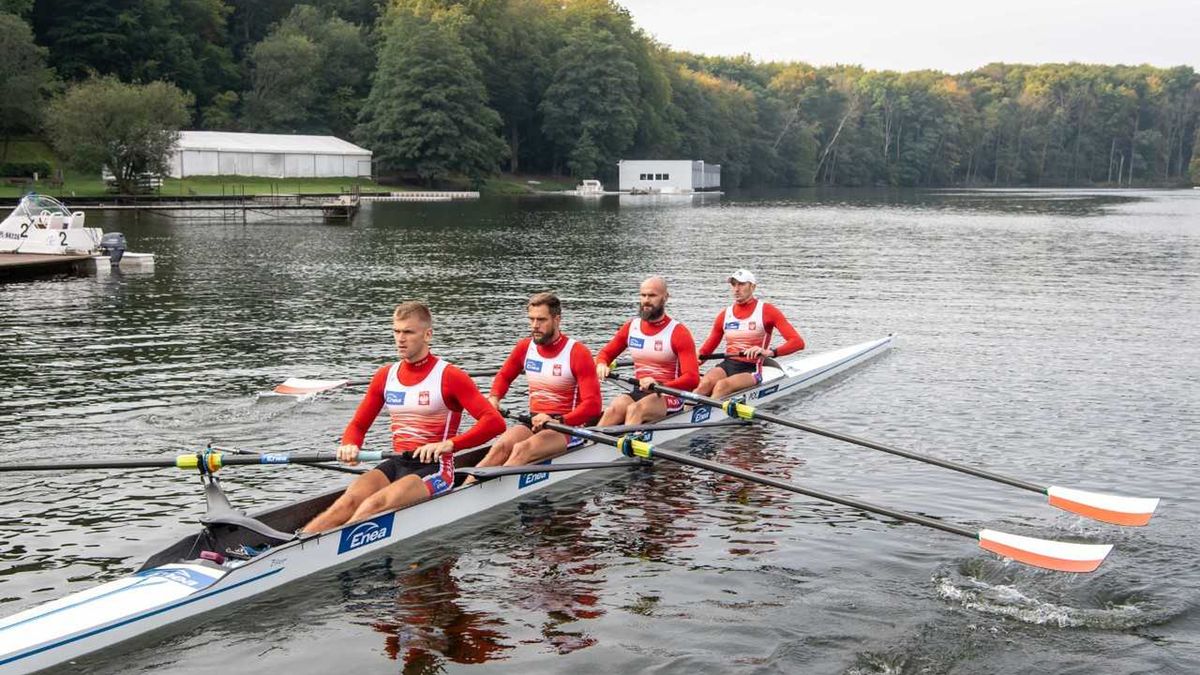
x,y
701,413
528,479
533,366
274,458
732,325
393,397
637,342
763,393
375,529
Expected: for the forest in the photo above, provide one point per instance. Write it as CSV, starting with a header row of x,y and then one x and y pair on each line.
x,y
439,89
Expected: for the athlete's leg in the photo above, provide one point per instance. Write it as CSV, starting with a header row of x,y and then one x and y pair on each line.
x,y
650,409
734,384
408,490
343,509
501,448
503,445
545,443
710,380
617,411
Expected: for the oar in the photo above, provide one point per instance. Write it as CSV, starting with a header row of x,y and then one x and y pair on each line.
x,y
300,386
1108,508
211,460
1060,556
255,453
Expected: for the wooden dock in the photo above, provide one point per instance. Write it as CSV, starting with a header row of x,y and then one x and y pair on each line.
x,y
18,266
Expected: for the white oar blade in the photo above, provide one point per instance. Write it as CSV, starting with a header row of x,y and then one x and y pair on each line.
x,y
297,386
1107,508
1060,556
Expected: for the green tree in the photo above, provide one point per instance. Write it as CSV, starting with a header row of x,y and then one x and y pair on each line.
x,y
594,93
128,128
427,112
309,75
25,81
179,41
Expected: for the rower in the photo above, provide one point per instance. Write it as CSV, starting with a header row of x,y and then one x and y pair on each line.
x,y
425,397
746,326
663,351
562,387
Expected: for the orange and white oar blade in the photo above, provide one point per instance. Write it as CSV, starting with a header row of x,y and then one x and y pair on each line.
x,y
298,386
1052,555
1108,508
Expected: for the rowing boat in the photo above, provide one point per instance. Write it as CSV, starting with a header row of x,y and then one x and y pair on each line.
x,y
193,576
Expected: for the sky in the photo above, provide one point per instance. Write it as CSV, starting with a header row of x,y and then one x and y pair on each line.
x,y
948,35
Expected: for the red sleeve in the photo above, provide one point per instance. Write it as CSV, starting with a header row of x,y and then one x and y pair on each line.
x,y
513,366
714,337
590,404
792,340
689,364
616,345
368,409
459,390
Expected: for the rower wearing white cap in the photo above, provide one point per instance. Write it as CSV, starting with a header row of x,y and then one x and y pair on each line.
x,y
746,326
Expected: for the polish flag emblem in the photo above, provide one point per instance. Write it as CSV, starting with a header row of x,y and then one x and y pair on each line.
x,y
423,398
658,345
557,369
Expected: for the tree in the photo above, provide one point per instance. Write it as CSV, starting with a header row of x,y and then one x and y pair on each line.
x,y
427,111
25,81
594,92
308,75
128,128
178,41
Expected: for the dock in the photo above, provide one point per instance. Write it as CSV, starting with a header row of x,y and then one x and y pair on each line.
x,y
18,266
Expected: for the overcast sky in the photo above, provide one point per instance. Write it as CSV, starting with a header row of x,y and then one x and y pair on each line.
x,y
950,35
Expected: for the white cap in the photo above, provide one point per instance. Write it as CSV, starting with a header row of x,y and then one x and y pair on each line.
x,y
742,276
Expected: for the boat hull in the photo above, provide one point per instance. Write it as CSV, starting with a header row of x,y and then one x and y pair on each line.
x,y
171,588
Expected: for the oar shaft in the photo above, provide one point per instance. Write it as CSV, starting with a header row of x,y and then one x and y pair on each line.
x,y
900,452
650,450
213,461
754,413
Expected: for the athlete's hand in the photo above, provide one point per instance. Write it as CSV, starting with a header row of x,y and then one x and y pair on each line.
x,y
348,454
539,420
431,451
647,383
602,370
494,401
755,352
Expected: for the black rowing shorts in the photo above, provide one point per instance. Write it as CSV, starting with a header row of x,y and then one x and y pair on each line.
x,y
732,367
396,468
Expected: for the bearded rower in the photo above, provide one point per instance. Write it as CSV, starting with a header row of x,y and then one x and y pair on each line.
x,y
746,327
425,397
562,388
663,352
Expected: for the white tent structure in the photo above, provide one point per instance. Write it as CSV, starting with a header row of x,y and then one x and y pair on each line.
x,y
225,153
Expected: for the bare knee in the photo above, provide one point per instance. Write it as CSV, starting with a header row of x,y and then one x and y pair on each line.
x,y
519,454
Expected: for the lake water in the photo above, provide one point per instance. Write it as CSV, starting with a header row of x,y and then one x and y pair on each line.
x,y
1054,335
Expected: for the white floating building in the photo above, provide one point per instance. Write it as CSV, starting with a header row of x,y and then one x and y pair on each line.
x,y
225,153
668,175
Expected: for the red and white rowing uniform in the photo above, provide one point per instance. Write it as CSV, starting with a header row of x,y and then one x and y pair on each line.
x,y
751,324
662,349
424,402
553,389
562,380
